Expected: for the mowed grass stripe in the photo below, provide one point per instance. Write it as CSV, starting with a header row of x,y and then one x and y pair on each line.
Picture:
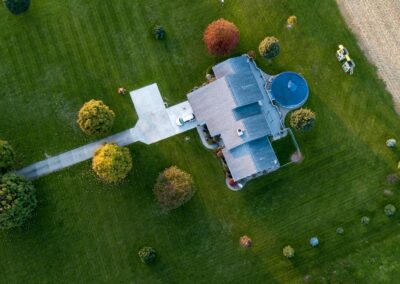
x,y
108,44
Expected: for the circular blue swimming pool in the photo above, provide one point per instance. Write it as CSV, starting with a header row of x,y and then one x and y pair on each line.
x,y
290,90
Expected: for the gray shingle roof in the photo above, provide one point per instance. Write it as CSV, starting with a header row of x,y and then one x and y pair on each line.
x,y
238,100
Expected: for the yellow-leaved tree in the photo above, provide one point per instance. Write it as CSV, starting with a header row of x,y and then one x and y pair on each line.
x,y
95,118
112,162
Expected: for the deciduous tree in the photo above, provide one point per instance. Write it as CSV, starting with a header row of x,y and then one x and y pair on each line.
x,y
112,163
174,188
17,200
7,156
269,47
95,118
302,119
147,255
221,37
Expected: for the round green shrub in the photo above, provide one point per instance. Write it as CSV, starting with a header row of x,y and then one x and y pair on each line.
x,y
269,47
340,231
288,252
365,220
17,7
17,200
147,255
392,178
7,156
390,210
111,162
159,32
95,118
174,188
302,119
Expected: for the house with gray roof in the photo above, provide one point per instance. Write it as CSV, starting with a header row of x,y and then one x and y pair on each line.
x,y
245,107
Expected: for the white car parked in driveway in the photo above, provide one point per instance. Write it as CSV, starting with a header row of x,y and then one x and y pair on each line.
x,y
180,121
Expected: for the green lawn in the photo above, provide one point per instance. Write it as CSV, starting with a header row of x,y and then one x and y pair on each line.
x,y
63,53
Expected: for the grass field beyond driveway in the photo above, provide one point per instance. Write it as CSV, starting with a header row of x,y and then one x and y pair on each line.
x,y
64,53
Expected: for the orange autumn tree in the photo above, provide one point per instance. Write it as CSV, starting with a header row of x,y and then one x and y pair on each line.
x,y
221,37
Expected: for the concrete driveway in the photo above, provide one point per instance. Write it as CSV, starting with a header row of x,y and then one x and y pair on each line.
x,y
156,122
177,111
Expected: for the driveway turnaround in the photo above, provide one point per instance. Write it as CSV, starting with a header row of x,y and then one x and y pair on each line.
x,y
156,122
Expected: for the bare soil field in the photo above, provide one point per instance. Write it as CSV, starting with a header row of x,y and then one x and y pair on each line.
x,y
376,25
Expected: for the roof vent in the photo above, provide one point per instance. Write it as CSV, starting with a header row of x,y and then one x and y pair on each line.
x,y
240,132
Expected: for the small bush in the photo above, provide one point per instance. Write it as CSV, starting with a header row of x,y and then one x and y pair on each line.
x,y
288,252
147,255
302,119
292,21
365,220
221,37
210,141
111,162
17,7
95,118
252,54
174,188
17,200
246,242
219,153
390,210
392,178
159,32
269,47
210,70
122,91
7,156
340,231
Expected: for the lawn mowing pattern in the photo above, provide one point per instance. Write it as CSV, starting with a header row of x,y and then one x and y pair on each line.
x,y
60,55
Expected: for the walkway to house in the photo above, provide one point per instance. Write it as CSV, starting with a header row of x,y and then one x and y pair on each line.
x,y
156,122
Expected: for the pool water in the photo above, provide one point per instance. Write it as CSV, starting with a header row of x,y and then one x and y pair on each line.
x,y
290,90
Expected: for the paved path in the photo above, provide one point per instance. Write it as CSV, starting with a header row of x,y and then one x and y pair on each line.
x,y
76,156
156,122
376,24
